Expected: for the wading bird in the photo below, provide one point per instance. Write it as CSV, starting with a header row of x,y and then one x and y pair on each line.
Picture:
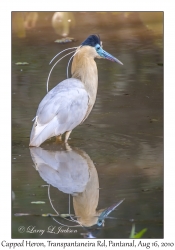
x,y
70,102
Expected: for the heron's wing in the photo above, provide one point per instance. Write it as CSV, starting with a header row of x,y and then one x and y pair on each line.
x,y
66,170
58,101
61,110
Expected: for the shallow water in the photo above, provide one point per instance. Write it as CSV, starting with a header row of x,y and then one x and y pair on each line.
x,y
122,139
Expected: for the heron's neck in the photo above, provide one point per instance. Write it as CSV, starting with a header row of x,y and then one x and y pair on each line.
x,y
85,203
84,68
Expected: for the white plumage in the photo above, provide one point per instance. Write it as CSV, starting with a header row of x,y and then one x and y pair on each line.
x,y
61,110
66,170
71,101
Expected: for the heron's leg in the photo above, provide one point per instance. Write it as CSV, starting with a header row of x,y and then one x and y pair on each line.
x,y
67,136
58,138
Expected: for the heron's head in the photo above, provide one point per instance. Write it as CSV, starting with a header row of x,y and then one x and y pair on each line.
x,y
94,42
105,212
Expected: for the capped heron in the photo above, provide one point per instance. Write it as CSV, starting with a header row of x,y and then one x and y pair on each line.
x,y
70,102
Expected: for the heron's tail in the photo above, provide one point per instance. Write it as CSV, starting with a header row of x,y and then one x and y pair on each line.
x,y
40,133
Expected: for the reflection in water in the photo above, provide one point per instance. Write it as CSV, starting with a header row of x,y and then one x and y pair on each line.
x,y
13,195
61,22
73,172
30,20
22,21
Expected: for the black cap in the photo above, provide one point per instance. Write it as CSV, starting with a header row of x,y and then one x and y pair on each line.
x,y
92,40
